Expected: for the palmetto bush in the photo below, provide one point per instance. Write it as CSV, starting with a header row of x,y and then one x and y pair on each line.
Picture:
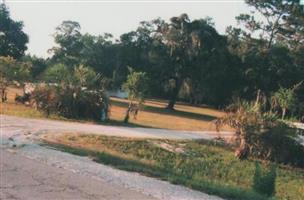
x,y
71,102
261,134
79,94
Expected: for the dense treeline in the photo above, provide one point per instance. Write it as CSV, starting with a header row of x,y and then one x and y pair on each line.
x,y
187,59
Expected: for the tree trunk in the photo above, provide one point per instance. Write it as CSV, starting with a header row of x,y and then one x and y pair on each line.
x,y
258,97
283,113
3,95
127,116
243,151
173,98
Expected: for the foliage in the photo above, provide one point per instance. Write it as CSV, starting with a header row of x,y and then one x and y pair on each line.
x,y
136,86
268,42
45,98
285,99
11,70
67,36
12,38
279,21
188,60
57,73
262,135
39,65
188,46
77,93
86,76
264,183
279,144
71,102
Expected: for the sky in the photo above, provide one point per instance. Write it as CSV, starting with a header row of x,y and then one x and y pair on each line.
x,y
117,16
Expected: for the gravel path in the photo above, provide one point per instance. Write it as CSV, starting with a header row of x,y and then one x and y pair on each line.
x,y
31,171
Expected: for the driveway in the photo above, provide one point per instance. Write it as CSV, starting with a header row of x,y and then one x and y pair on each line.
x,y
31,171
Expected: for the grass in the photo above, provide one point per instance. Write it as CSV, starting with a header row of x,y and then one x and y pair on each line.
x,y
206,166
154,114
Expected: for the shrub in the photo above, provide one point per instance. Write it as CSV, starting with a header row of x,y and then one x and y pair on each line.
x,y
264,182
75,93
71,102
279,144
45,98
261,134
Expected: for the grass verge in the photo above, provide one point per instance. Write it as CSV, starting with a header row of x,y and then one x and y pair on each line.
x,y
205,166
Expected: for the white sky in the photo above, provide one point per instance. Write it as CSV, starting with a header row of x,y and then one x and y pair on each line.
x,y
116,17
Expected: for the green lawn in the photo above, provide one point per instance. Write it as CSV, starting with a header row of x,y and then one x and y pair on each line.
x,y
201,165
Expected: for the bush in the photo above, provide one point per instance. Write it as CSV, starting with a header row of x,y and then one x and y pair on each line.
x,y
261,134
71,102
278,144
264,182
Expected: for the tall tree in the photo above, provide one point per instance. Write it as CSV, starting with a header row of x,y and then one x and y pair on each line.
x,y
12,38
280,20
68,38
188,47
268,43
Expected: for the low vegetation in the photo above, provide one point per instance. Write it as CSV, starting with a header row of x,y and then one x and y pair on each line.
x,y
208,166
260,133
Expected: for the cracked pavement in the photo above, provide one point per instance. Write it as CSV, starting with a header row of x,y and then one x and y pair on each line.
x,y
31,171
23,178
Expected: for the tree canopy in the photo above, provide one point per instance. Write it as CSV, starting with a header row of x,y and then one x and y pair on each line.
x,y
12,38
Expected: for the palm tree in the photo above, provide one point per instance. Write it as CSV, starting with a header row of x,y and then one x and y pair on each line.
x,y
285,98
249,122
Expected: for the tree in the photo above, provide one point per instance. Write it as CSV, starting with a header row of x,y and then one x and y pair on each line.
x,y
188,46
268,43
249,122
57,73
68,37
285,99
12,38
11,70
39,65
281,20
136,86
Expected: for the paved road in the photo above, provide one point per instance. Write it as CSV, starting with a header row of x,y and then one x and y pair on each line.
x,y
19,124
31,171
26,179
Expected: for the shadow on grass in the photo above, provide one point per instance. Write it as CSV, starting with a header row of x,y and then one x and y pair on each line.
x,y
211,188
165,111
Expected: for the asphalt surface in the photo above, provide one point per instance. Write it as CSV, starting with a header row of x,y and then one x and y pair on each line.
x,y
31,171
17,124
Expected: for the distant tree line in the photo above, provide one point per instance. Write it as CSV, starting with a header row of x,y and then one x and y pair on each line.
x,y
185,59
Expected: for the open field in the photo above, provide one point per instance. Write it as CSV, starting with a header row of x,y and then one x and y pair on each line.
x,y
154,114
206,166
